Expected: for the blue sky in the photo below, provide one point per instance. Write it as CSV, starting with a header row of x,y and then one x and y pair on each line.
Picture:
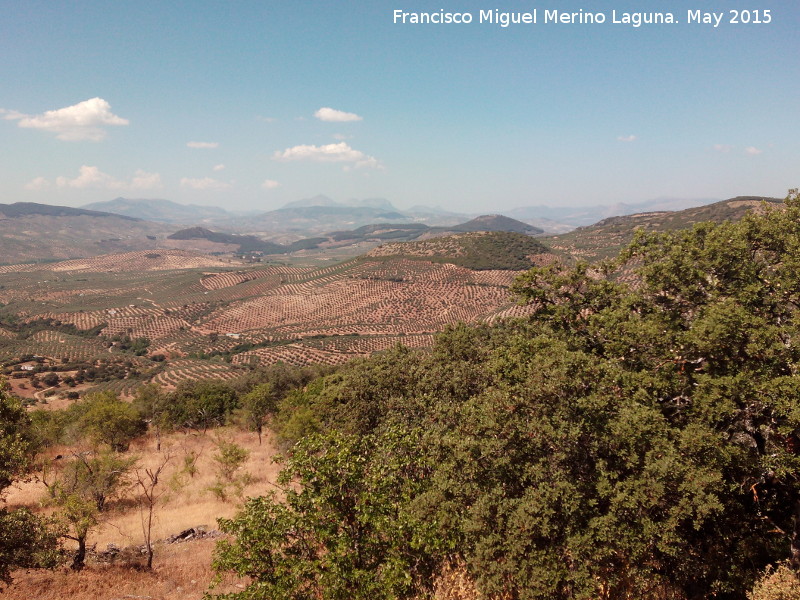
x,y
249,105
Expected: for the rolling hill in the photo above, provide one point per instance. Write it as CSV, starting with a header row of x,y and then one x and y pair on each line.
x,y
40,232
478,250
607,237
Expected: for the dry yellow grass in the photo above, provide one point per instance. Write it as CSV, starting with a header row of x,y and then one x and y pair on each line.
x,y
181,572
187,501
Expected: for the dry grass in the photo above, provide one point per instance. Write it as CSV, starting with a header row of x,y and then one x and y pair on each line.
x,y
180,572
187,501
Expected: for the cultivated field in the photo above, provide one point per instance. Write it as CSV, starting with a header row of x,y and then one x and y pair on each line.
x,y
207,318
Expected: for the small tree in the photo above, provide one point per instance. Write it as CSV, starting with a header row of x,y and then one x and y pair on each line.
x,y
105,419
230,457
256,407
80,515
343,530
83,490
147,480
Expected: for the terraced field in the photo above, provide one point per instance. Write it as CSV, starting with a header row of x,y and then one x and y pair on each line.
x,y
207,318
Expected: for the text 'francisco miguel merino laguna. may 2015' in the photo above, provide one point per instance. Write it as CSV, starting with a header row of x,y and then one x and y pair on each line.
x,y
583,17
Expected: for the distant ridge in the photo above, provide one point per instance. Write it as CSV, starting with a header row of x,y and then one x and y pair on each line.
x,y
163,211
322,200
607,237
27,209
36,232
581,216
246,243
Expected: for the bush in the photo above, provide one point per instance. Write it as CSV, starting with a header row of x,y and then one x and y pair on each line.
x,y
776,584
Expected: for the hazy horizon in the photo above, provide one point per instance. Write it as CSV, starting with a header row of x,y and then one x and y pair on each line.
x,y
253,105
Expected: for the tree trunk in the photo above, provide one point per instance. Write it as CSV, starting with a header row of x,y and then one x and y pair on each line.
x,y
80,555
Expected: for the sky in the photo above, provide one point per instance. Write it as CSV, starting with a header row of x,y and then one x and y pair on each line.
x,y
249,105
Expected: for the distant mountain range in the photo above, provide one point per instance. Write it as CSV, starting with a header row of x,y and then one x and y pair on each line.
x,y
581,216
321,214
320,200
375,233
35,232
161,211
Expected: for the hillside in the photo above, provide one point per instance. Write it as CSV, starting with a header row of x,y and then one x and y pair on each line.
x,y
244,243
583,216
27,209
607,237
477,250
36,232
516,437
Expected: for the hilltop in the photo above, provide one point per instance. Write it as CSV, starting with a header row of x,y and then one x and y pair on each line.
x,y
497,223
477,250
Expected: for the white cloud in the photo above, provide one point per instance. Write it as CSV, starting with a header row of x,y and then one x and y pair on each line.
x,y
90,177
266,119
206,183
752,151
341,136
93,177
202,145
723,147
626,138
142,180
270,184
336,116
219,167
40,183
334,153
83,121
